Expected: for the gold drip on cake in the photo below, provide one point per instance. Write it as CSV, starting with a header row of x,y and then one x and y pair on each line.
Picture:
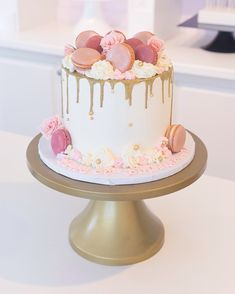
x,y
128,85
92,83
148,90
62,98
169,88
101,93
67,92
146,95
172,87
78,88
151,87
128,91
112,84
163,94
166,76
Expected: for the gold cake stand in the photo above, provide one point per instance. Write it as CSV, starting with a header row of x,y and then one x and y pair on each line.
x,y
116,227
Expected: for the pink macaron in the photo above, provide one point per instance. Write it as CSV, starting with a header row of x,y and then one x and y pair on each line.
x,y
143,36
60,140
94,43
176,135
146,53
84,58
134,43
83,37
121,56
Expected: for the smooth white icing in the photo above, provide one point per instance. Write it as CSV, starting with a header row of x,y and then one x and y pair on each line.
x,y
116,126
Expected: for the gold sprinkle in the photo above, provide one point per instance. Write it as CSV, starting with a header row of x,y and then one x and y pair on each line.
x,y
91,113
98,161
136,147
130,125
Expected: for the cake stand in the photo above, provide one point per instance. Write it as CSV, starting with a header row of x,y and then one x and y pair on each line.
x,y
224,41
116,227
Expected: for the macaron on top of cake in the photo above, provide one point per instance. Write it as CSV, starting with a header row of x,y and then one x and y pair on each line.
x,y
143,36
116,49
84,58
121,56
146,53
176,135
134,43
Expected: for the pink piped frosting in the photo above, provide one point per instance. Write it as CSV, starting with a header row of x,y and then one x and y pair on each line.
x,y
127,75
49,126
111,39
156,43
118,75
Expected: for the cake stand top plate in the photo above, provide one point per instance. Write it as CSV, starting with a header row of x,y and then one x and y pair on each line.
x,y
120,192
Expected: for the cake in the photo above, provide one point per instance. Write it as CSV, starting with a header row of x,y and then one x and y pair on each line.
x,y
115,125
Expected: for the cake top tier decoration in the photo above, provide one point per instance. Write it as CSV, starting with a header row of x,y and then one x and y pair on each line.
x,y
116,57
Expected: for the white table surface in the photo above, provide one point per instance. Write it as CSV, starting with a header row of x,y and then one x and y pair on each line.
x,y
35,257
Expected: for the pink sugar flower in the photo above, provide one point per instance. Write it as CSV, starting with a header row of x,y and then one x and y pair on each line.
x,y
77,155
142,160
111,39
119,75
118,163
156,43
129,75
49,126
68,49
81,71
70,164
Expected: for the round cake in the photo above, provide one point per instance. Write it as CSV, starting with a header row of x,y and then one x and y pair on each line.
x,y
115,125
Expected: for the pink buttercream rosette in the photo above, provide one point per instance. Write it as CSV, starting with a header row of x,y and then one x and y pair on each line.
x,y
49,126
156,43
111,39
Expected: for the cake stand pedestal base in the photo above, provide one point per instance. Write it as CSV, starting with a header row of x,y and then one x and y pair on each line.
x,y
116,232
224,42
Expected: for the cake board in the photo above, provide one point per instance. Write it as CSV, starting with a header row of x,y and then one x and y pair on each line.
x,y
116,227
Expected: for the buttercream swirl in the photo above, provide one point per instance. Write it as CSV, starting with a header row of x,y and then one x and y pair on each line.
x,y
67,63
163,62
101,70
143,69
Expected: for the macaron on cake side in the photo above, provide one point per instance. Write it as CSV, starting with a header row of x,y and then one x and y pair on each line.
x,y
60,140
176,135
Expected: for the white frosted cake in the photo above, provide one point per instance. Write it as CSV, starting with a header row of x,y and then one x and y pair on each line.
x,y
115,125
